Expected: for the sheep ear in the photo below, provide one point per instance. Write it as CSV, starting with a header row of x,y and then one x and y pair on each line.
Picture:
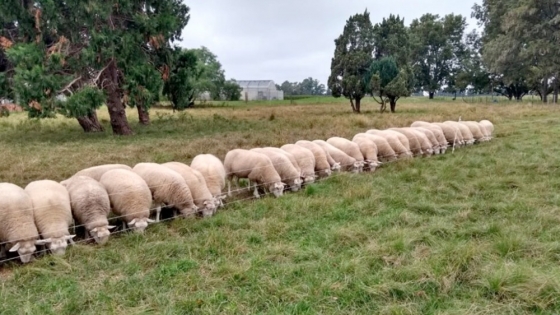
x,y
132,222
69,237
111,227
43,242
94,230
150,220
15,247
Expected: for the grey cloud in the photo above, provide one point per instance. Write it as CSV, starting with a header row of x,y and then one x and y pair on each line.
x,y
290,39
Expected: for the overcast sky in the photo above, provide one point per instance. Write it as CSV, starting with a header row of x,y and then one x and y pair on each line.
x,y
290,39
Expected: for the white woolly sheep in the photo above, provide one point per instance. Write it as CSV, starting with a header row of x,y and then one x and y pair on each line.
x,y
17,227
214,174
452,134
346,162
368,148
425,143
256,167
431,137
438,133
385,152
96,172
350,148
396,140
290,156
415,145
283,165
90,206
168,188
475,129
52,213
130,198
468,138
306,160
489,126
322,165
202,197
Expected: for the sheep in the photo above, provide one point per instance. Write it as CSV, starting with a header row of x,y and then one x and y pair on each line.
x,y
130,198
256,167
305,159
290,156
368,148
385,152
322,165
96,172
52,213
438,133
489,126
168,188
452,134
396,140
288,173
202,197
415,144
468,138
475,129
350,148
90,206
334,165
425,143
214,174
346,162
431,137
17,227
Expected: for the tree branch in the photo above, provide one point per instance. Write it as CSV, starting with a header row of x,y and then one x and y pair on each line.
x,y
67,87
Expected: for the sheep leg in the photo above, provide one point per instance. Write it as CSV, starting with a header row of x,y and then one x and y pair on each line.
x,y
229,187
256,192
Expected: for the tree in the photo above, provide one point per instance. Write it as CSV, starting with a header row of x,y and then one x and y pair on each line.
x,y
89,51
520,43
352,58
183,77
436,48
231,91
212,76
390,76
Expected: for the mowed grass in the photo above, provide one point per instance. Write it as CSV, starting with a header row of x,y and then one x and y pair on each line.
x,y
471,232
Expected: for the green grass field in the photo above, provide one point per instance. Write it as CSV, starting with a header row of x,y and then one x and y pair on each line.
x,y
476,231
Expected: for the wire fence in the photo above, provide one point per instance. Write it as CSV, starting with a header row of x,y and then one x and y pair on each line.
x,y
236,191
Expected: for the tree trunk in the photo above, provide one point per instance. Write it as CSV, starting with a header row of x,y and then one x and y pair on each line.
x,y
143,115
352,104
431,95
119,122
358,100
393,103
90,123
544,93
556,86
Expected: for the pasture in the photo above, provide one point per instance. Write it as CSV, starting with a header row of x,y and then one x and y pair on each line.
x,y
476,231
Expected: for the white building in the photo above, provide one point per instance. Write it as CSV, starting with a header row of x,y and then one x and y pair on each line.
x,y
260,90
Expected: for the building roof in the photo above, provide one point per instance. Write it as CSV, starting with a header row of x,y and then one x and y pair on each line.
x,y
255,83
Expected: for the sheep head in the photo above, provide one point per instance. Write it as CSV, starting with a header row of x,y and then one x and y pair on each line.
x,y
25,250
209,208
277,189
140,224
57,245
101,233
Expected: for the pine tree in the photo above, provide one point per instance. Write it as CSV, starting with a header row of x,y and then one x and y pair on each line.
x,y
352,58
92,52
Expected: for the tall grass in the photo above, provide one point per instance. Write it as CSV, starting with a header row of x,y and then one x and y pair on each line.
x,y
470,232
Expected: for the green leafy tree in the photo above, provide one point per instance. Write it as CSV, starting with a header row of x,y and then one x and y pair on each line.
x,y
520,43
436,49
231,91
105,48
310,86
181,87
387,82
212,76
390,76
352,59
